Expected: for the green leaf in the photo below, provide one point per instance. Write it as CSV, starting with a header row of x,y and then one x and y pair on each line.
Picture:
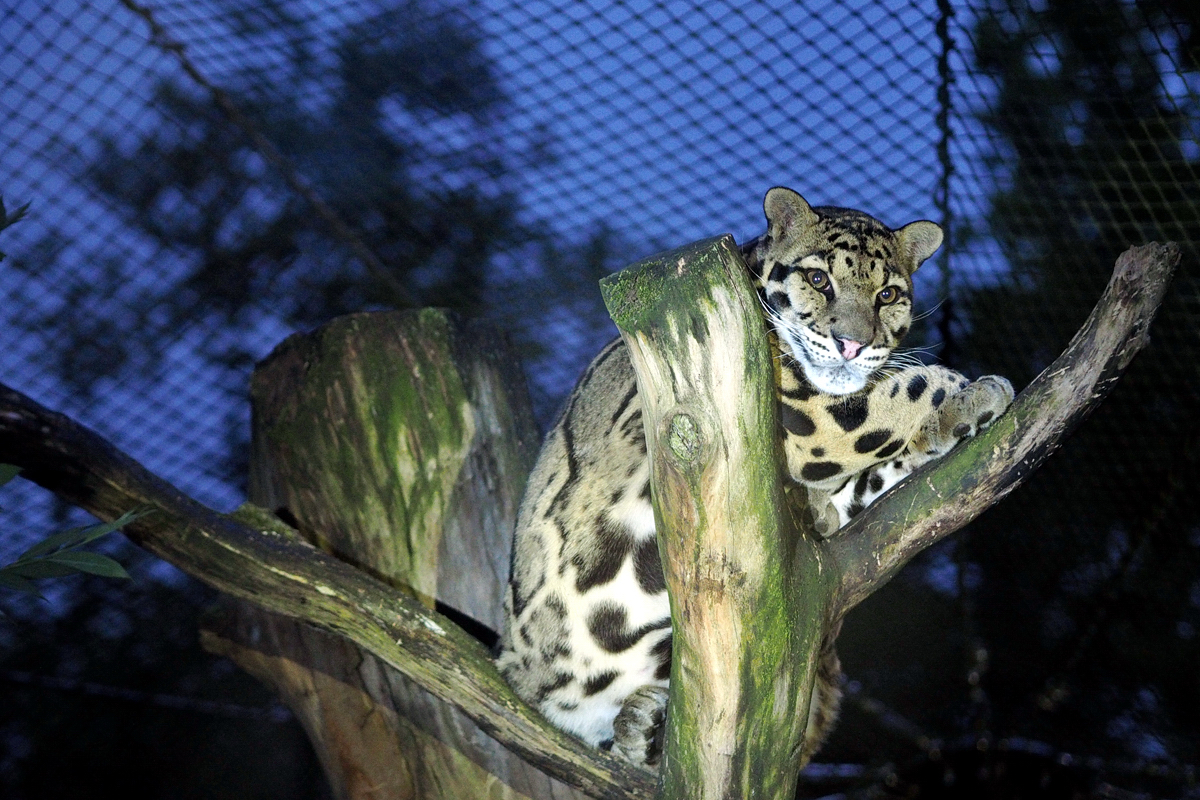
x,y
91,563
8,472
77,537
38,568
72,537
17,583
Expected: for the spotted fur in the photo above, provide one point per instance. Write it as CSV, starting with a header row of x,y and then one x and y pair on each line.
x,y
587,637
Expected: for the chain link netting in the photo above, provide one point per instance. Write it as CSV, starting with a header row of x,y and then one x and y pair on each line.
x,y
205,178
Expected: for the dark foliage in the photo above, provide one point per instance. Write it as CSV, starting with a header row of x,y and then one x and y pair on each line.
x,y
114,693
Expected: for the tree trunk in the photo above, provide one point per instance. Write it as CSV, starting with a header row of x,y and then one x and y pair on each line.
x,y
749,597
398,442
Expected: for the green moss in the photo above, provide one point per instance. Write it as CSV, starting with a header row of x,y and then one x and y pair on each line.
x,y
260,519
378,430
639,295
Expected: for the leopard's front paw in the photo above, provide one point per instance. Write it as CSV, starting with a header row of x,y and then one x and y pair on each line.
x,y
638,728
966,413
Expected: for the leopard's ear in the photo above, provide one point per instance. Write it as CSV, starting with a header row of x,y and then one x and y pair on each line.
x,y
919,240
787,213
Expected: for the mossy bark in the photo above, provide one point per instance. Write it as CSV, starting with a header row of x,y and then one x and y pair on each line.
x,y
749,596
399,443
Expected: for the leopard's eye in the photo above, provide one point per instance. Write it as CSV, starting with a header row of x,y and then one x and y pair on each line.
x,y
819,279
889,295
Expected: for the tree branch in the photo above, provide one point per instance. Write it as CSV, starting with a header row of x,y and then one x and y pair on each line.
x,y
272,567
749,596
950,492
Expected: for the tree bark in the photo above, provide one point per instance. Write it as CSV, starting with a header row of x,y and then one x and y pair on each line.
x,y
749,594
682,301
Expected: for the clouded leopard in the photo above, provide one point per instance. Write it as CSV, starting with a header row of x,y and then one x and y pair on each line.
x,y
587,637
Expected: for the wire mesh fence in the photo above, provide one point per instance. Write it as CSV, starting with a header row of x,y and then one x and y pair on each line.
x,y
205,178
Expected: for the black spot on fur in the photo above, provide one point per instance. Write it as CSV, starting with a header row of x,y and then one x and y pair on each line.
x,y
938,397
895,389
645,492
854,509
884,452
560,680
607,624
819,470
860,485
876,483
916,387
961,429
555,651
985,417
901,332
850,413
779,272
796,421
599,682
818,451
802,392
648,568
600,563
662,653
779,300
625,401
564,492
871,441
519,598
556,606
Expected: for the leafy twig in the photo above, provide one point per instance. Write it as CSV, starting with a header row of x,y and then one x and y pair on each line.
x,y
59,554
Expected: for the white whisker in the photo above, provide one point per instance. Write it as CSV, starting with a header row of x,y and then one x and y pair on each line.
x,y
929,312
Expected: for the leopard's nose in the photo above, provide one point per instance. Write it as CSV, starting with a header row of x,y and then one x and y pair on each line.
x,y
848,347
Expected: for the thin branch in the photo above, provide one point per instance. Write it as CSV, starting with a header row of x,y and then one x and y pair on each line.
x,y
938,500
271,567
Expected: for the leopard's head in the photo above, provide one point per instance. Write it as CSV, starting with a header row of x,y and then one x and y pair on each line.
x,y
837,286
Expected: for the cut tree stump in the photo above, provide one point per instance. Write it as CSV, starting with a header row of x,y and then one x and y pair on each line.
x,y
398,442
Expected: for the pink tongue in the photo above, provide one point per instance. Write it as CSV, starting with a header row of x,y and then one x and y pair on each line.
x,y
850,348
